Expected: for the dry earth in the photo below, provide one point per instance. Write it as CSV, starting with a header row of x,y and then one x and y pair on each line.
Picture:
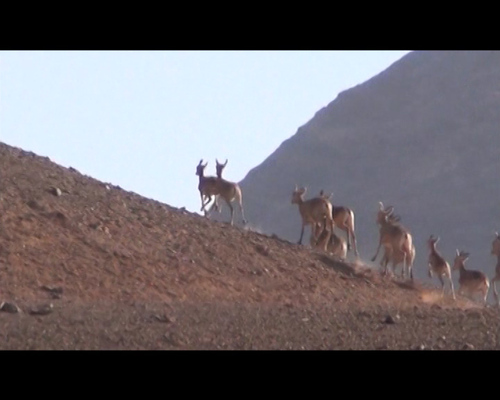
x,y
115,270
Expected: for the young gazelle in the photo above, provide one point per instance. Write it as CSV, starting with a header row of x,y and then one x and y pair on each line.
x,y
398,257
317,210
495,250
395,238
438,265
344,219
336,245
229,191
470,281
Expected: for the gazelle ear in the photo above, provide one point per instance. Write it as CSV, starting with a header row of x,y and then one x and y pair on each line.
x,y
389,210
496,234
296,187
458,253
225,163
200,161
381,206
437,239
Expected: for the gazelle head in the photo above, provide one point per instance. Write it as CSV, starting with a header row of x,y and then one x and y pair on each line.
x,y
383,214
460,258
432,241
495,246
200,168
324,196
219,167
297,195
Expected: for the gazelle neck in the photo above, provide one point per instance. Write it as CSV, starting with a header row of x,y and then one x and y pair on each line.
x,y
461,267
433,249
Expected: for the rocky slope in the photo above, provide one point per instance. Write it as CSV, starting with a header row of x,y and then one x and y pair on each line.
x,y
87,265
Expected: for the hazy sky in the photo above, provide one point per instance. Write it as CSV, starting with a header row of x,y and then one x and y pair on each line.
x,y
144,119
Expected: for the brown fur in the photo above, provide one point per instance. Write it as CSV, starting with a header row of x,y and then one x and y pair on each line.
x,y
438,265
394,238
470,281
343,218
495,250
317,210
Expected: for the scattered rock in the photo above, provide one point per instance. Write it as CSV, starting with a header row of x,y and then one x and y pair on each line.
x,y
468,346
9,307
163,318
55,292
264,250
43,309
34,205
390,320
55,191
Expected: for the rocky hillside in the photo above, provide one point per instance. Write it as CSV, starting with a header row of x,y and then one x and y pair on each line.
x,y
421,136
87,265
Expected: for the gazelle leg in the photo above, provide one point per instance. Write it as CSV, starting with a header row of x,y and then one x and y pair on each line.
x,y
452,289
301,234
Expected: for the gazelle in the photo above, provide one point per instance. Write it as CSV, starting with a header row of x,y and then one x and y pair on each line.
x,y
206,185
438,265
229,191
398,257
317,210
394,237
334,244
495,250
343,218
218,169
470,281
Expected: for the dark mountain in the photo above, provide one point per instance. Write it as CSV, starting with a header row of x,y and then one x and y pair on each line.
x,y
422,136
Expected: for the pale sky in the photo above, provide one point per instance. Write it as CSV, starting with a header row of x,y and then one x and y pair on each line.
x,y
144,119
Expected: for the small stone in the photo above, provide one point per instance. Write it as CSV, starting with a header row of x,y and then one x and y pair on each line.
x,y
55,292
389,319
9,307
42,309
53,289
56,191
468,346
163,318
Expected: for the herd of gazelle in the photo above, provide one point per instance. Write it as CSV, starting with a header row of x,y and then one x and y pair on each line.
x,y
319,213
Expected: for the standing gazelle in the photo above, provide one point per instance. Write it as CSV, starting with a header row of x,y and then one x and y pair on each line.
x,y
206,185
317,210
438,265
495,250
219,167
395,238
398,257
470,281
343,218
229,191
